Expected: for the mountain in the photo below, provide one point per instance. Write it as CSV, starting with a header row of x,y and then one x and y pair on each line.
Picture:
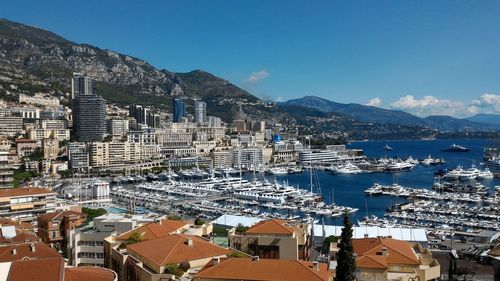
x,y
358,111
35,60
387,116
485,118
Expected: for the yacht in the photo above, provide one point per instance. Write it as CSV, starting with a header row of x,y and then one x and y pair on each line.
x,y
278,171
388,148
485,174
453,174
347,168
469,174
456,148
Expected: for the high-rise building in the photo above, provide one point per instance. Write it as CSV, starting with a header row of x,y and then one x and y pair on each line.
x,y
200,112
179,110
80,85
6,171
89,118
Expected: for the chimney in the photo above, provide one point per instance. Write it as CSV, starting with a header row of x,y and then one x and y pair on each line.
x,y
216,261
14,251
384,251
389,236
256,258
32,247
366,235
316,265
190,242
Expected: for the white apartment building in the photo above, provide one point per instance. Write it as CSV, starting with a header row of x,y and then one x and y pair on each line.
x,y
40,134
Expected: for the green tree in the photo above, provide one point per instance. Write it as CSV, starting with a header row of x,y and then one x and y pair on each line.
x,y
326,243
346,263
199,221
134,238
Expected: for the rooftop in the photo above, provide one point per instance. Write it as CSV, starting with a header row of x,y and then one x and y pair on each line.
x,y
88,273
264,270
44,269
176,248
25,191
272,226
154,230
397,251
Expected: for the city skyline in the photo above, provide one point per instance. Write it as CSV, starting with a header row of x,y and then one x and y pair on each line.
x,y
425,58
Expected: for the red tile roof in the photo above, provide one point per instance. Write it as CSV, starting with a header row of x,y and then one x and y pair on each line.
x,y
372,261
58,215
263,270
11,192
398,251
155,230
44,269
24,250
88,273
272,226
174,248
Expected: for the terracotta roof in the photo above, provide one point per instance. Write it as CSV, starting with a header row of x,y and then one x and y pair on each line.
x,y
398,251
60,215
372,261
24,251
154,230
272,226
17,224
88,273
174,248
264,270
11,192
46,269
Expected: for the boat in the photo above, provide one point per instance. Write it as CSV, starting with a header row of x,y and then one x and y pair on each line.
x,y
469,174
491,158
278,171
347,168
456,148
485,174
388,148
453,174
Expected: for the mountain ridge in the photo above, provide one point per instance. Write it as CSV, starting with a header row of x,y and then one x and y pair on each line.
x,y
384,116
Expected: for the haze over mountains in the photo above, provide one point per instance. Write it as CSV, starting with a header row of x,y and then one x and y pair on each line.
x,y
384,116
36,60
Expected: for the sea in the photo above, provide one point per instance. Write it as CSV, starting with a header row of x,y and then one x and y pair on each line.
x,y
348,190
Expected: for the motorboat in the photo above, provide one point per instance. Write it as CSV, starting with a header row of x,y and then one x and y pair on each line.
x,y
347,168
456,148
469,174
453,174
387,148
485,174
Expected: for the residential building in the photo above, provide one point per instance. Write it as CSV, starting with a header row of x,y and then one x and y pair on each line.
x,y
214,121
25,147
247,158
25,204
154,259
390,259
139,113
40,134
11,125
179,110
80,85
54,228
50,148
86,244
200,112
6,171
251,269
26,112
89,118
222,157
54,124
274,239
78,156
117,155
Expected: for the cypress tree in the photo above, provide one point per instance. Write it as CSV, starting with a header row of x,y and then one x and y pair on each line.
x,y
346,263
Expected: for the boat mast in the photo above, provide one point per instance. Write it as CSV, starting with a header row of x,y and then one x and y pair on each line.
x,y
310,165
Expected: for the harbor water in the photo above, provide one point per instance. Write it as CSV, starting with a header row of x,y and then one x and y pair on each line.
x,y
348,189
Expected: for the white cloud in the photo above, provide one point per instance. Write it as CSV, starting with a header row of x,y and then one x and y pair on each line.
x,y
257,76
430,105
489,103
374,102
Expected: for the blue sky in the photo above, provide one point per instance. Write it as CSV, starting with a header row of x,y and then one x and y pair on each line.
x,y
425,57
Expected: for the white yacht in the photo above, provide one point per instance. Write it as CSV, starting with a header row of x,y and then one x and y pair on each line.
x,y
454,174
278,171
485,174
347,168
469,174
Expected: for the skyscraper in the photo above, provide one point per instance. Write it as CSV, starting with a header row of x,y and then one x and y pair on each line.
x,y
179,110
200,112
89,112
80,85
